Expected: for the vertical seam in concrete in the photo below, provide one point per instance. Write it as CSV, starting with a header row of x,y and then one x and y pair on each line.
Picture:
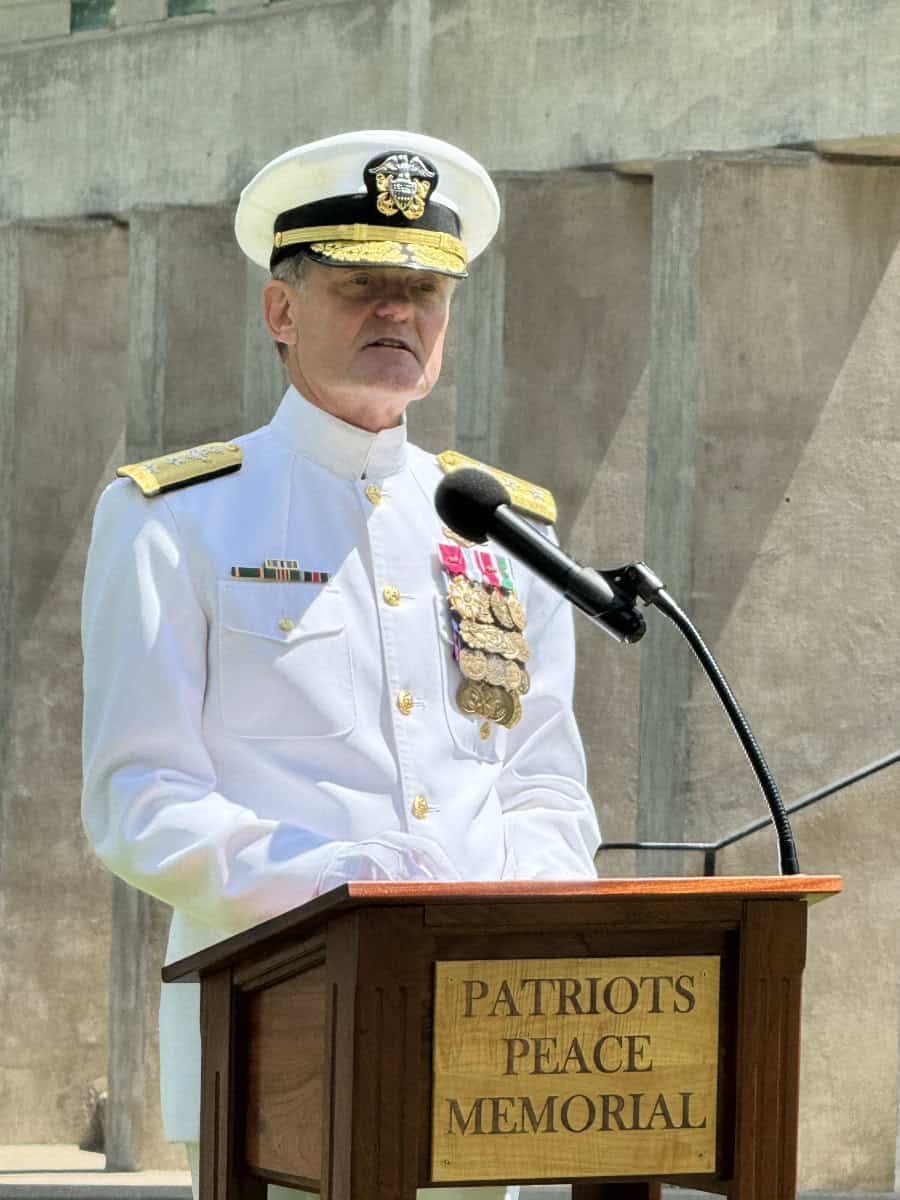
x,y
419,77
10,334
676,383
146,335
481,354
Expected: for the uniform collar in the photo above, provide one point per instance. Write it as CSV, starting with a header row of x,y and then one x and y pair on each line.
x,y
343,449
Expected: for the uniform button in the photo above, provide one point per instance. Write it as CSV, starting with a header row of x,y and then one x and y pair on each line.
x,y
485,731
286,624
420,808
405,702
391,595
373,494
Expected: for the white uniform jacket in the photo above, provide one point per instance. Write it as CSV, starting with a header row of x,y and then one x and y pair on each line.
x,y
243,746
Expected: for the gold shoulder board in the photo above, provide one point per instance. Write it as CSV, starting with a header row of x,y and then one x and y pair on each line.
x,y
184,467
525,497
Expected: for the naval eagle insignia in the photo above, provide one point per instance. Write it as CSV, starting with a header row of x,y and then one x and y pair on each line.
x,y
402,182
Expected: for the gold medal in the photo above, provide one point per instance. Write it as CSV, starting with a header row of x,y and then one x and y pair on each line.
x,y
516,611
512,677
466,598
496,670
473,664
516,715
500,609
499,705
522,653
470,698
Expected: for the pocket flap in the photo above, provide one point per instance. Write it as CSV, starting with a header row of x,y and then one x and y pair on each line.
x,y
280,612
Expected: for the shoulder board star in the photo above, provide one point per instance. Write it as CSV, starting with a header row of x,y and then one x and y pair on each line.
x,y
525,497
184,467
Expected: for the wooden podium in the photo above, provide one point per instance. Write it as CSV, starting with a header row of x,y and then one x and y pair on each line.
x,y
612,1034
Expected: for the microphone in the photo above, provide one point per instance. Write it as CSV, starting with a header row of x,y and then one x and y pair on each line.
x,y
477,507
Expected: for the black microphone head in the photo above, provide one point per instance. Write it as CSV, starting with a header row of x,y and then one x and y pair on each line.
x,y
467,499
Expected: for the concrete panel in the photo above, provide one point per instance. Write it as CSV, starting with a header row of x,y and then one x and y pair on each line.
x,y
187,301
594,83
572,415
139,12
127,120
23,19
791,471
69,420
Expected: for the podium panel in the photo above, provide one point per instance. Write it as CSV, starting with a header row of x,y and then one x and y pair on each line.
x,y
612,1035
544,1068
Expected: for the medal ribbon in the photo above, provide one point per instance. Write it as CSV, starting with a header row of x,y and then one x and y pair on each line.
x,y
488,570
505,570
453,559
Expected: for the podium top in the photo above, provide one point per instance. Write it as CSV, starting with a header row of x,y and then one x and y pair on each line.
x,y
305,919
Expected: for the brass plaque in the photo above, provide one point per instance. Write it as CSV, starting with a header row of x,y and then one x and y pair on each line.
x,y
574,1067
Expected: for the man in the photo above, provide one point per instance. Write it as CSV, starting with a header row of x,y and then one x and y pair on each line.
x,y
293,676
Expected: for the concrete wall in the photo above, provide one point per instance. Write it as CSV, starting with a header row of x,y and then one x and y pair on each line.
x,y
776,301
64,385
702,367
125,116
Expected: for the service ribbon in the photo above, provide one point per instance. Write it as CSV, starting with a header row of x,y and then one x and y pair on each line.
x,y
488,570
453,559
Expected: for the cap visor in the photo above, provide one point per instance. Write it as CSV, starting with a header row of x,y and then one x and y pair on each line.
x,y
413,256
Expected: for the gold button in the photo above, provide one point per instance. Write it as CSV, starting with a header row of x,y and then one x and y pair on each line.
x,y
391,595
420,808
485,731
286,624
405,702
373,494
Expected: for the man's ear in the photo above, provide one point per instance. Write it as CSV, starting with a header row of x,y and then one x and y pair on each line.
x,y
278,311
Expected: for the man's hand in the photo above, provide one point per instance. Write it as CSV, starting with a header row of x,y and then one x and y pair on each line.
x,y
397,857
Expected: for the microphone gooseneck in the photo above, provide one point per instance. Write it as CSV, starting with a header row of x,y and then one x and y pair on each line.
x,y
477,507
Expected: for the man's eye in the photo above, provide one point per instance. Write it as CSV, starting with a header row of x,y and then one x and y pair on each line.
x,y
361,280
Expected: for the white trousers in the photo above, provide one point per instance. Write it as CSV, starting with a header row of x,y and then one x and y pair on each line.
x,y
282,1193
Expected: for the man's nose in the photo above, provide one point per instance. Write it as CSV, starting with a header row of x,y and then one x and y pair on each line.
x,y
395,304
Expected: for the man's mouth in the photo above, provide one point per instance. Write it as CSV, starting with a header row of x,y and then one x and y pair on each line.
x,y
392,343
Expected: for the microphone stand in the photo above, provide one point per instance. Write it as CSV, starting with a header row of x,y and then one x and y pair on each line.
x,y
637,581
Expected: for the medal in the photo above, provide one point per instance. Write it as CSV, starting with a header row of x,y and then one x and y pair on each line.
x,y
516,611
469,698
500,609
516,714
487,619
495,672
473,664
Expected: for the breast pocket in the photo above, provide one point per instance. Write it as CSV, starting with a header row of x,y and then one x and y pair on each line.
x,y
466,732
284,661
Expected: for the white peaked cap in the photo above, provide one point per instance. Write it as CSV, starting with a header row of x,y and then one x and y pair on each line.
x,y
464,197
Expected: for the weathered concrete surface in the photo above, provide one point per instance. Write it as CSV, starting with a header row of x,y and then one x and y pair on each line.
x,y
125,117
20,19
572,414
789,357
139,12
67,400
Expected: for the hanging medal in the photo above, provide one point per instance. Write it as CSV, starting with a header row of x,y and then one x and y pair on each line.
x,y
488,621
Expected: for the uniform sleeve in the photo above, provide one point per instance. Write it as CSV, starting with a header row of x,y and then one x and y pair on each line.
x,y
549,820
150,804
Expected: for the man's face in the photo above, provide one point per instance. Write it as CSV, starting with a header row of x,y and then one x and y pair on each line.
x,y
365,341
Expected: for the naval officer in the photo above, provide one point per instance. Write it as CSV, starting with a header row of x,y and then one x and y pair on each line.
x,y
294,677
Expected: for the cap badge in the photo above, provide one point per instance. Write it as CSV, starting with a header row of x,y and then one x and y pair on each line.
x,y
403,182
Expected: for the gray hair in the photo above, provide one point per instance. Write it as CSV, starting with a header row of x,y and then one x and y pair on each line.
x,y
291,271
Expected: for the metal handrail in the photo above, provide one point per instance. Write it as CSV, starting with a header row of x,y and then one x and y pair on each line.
x,y
709,850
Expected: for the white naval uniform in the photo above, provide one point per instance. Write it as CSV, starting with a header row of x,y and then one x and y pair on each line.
x,y
243,746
